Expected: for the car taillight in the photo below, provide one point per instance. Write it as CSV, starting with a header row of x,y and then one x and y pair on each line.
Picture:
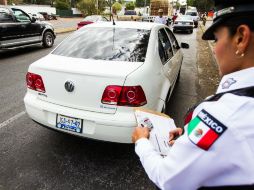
x,y
35,82
124,96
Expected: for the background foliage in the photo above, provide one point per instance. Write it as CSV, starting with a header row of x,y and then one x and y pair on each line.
x,y
202,5
130,6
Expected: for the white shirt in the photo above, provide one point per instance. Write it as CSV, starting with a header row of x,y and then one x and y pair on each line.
x,y
228,161
161,20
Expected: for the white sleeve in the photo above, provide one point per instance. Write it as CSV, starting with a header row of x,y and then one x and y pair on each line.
x,y
171,171
156,19
164,21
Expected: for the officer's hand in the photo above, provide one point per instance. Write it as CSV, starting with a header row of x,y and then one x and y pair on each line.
x,y
140,132
174,134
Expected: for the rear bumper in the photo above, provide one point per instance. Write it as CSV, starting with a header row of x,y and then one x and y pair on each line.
x,y
106,127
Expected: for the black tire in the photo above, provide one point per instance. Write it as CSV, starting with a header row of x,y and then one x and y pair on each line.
x,y
191,31
174,30
48,39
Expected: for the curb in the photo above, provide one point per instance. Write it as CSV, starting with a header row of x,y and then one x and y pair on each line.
x,y
65,30
202,27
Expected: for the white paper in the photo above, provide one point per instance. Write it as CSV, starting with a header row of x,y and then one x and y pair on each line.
x,y
159,135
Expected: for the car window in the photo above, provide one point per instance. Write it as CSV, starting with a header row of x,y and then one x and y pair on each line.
x,y
5,15
167,48
192,13
173,40
21,16
113,44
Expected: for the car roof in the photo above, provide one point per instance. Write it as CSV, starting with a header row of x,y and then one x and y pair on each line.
x,y
125,24
184,18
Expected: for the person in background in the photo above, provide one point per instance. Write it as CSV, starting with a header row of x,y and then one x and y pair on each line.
x,y
216,151
160,18
204,18
174,17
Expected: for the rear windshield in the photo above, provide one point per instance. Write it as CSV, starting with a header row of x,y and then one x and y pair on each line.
x,y
116,44
192,13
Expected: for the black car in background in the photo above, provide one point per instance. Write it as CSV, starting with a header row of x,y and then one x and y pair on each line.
x,y
17,28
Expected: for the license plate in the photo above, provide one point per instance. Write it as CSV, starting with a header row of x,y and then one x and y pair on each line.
x,y
69,123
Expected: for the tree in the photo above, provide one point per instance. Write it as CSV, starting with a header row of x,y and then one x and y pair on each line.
x,y
130,6
203,6
116,7
62,4
89,7
142,3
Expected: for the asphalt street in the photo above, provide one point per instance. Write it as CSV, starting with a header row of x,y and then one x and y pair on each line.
x,y
33,157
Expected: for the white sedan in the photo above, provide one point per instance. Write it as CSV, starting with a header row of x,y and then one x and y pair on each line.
x,y
89,85
183,23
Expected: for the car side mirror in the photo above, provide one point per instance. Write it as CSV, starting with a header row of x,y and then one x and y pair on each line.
x,y
185,46
33,19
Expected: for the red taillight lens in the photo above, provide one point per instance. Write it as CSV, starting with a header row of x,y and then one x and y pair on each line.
x,y
111,95
35,82
124,96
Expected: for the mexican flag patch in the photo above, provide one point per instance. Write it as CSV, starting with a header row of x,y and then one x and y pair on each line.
x,y
204,130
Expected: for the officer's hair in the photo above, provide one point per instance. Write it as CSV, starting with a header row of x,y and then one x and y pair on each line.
x,y
233,23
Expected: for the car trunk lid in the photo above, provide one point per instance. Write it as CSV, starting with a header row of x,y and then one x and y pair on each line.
x,y
89,78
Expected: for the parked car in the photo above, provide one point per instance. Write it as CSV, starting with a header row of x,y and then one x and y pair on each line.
x,y
89,85
38,16
194,16
17,28
130,12
48,16
183,23
91,19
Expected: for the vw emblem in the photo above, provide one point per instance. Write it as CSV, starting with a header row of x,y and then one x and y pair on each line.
x,y
69,86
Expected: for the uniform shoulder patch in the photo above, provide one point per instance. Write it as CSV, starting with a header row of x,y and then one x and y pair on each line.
x,y
204,130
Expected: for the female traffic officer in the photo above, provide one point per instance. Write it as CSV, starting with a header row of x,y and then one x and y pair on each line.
x,y
217,148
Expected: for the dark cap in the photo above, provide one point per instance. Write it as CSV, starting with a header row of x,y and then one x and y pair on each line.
x,y
226,9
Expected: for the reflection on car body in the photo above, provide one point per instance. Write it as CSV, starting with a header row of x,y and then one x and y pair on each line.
x,y
112,68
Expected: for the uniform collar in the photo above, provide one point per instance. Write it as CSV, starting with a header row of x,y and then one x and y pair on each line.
x,y
240,79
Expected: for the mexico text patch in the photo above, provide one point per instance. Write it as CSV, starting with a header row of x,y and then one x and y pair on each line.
x,y
204,130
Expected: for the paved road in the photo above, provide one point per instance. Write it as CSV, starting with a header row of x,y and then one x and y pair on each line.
x,y
33,157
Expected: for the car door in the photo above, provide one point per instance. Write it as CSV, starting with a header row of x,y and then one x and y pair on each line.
x,y
177,59
166,54
30,31
8,28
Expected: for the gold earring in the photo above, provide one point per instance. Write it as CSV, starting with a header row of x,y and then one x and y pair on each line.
x,y
237,53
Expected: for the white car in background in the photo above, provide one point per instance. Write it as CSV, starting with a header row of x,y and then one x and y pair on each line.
x,y
183,23
89,85
37,16
194,16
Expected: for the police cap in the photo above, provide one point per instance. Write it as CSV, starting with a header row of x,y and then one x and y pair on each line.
x,y
226,9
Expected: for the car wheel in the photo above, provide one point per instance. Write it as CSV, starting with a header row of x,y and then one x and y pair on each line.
x,y
174,30
191,31
48,39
